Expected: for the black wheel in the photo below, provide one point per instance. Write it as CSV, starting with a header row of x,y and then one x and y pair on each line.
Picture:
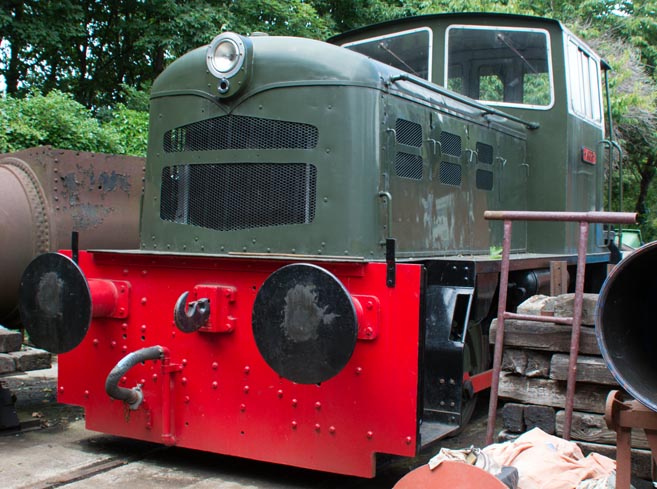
x,y
473,363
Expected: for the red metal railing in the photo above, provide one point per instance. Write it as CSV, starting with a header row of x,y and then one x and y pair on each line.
x,y
584,219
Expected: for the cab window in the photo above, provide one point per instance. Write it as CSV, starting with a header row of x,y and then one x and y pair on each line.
x,y
500,65
409,51
583,83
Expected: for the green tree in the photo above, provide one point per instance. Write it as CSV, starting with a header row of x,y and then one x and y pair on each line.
x,y
91,47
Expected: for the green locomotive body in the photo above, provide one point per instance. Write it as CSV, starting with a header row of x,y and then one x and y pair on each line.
x,y
336,138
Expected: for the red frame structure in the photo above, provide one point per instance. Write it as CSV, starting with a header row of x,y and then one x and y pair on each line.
x,y
213,391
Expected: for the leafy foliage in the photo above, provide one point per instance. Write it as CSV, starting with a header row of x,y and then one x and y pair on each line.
x,y
58,120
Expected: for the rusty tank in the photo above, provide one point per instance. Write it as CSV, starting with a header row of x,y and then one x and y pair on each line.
x,y
47,193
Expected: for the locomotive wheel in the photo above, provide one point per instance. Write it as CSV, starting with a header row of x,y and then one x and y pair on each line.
x,y
473,363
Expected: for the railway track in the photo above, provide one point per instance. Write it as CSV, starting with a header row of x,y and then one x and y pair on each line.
x,y
67,455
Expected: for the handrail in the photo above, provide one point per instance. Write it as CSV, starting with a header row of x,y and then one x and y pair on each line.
x,y
464,100
584,219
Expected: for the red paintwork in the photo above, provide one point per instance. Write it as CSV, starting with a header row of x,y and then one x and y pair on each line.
x,y
216,393
480,381
111,298
589,156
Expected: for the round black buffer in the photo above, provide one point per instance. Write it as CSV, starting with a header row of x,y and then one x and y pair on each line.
x,y
304,323
55,303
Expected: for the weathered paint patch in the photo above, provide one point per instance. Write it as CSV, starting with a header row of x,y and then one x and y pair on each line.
x,y
88,216
109,182
71,186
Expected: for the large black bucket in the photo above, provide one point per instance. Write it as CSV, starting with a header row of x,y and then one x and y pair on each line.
x,y
626,324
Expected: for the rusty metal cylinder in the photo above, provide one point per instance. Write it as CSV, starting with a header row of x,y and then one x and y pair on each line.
x,y
46,194
626,324
18,239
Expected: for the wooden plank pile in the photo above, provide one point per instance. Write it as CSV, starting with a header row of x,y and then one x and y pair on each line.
x,y
15,357
534,374
15,360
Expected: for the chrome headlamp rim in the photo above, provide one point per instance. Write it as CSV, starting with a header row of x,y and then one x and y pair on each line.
x,y
237,43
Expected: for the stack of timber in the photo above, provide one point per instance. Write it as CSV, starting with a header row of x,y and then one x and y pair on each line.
x,y
16,357
534,375
15,360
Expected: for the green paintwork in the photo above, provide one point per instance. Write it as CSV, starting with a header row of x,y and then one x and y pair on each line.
x,y
349,99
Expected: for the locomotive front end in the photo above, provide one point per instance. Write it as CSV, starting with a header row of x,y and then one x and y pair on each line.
x,y
315,280
259,318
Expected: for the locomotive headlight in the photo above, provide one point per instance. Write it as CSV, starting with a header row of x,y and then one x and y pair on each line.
x,y
226,55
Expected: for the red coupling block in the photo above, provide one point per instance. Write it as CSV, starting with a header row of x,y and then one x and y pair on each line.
x,y
223,307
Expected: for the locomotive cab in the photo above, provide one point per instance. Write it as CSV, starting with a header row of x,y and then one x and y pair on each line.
x,y
530,67
314,270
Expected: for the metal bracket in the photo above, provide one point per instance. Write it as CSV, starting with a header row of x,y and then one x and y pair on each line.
x,y
473,156
223,298
435,144
75,248
391,272
368,310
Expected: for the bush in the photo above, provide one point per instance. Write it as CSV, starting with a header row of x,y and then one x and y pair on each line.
x,y
56,119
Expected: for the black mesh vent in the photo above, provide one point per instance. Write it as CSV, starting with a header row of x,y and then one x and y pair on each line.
x,y
484,180
240,132
450,144
234,196
485,153
407,132
450,173
408,166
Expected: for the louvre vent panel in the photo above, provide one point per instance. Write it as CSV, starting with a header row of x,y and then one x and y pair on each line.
x,y
484,179
450,173
240,132
450,144
409,166
409,133
485,153
234,196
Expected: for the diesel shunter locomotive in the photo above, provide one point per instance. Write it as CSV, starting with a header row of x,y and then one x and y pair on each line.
x,y
315,279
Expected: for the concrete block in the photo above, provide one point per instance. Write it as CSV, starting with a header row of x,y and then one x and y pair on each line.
x,y
513,417
543,417
563,307
10,340
31,359
537,305
7,363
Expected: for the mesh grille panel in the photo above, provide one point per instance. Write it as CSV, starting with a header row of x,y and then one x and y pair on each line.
x,y
407,132
408,166
240,132
229,197
484,180
485,153
450,173
450,144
